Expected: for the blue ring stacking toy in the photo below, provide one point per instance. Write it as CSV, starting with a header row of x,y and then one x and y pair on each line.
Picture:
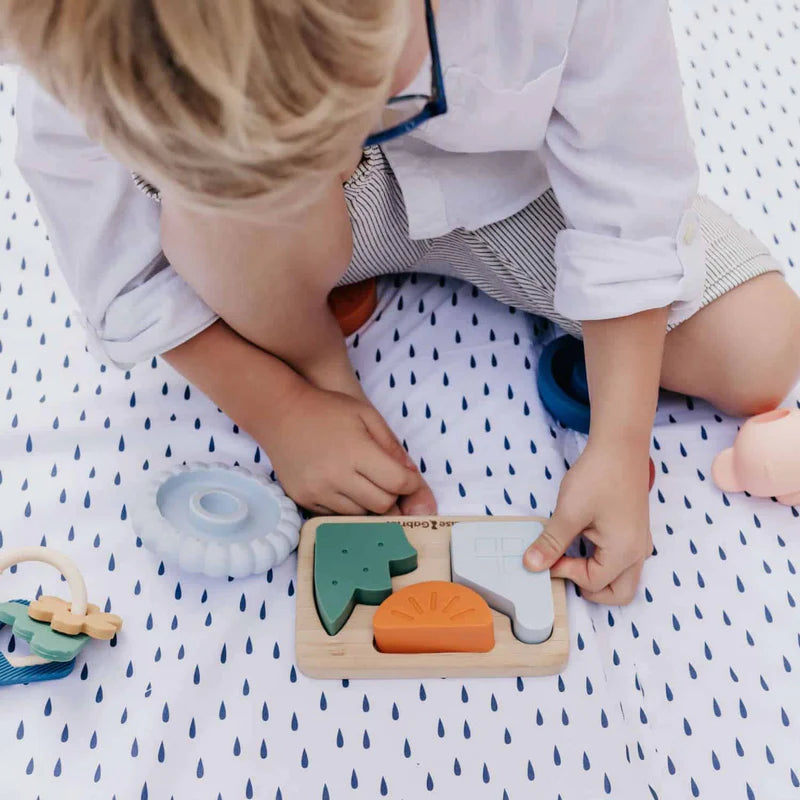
x,y
562,383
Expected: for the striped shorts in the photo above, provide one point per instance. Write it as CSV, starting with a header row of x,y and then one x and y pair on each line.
x,y
512,260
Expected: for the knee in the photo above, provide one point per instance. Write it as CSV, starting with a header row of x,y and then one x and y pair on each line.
x,y
765,368
750,400
741,352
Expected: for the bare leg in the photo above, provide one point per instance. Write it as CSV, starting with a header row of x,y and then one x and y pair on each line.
x,y
741,352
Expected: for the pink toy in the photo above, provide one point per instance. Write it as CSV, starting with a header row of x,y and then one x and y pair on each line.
x,y
764,459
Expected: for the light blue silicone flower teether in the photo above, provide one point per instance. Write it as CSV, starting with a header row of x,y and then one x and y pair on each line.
x,y
218,520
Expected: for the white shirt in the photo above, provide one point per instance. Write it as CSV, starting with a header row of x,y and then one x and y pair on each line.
x,y
580,95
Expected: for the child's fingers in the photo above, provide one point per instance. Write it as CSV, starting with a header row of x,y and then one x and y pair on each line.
x,y
364,492
336,504
619,592
382,434
420,502
558,533
377,466
599,583
342,504
587,573
416,498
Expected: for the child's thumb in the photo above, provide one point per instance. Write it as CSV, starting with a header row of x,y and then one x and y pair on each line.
x,y
551,544
420,503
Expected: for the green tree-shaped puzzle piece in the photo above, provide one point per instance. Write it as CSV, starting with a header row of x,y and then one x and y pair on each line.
x,y
354,563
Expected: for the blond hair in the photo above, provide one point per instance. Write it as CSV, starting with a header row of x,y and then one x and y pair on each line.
x,y
221,100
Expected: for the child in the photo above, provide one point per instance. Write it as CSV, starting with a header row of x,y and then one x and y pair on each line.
x,y
561,180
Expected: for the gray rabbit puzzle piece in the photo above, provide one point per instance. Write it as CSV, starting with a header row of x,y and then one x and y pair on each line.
x,y
487,557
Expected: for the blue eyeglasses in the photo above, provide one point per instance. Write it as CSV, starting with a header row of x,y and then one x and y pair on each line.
x,y
410,110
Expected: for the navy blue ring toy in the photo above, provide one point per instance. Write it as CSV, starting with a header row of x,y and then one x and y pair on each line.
x,y
564,388
562,383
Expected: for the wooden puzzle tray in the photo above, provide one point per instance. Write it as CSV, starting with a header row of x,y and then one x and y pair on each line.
x,y
351,653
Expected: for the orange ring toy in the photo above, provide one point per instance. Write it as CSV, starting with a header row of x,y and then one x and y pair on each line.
x,y
353,305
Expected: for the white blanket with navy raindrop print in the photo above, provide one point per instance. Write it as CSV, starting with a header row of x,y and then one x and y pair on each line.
x,y
689,692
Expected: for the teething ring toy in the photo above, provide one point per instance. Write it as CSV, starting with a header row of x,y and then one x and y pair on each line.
x,y
564,388
65,565
54,629
217,520
354,304
562,384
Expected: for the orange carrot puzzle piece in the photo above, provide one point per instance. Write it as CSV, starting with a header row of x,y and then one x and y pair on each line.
x,y
434,617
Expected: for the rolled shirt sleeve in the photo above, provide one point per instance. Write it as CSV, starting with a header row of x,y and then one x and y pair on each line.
x,y
621,163
105,235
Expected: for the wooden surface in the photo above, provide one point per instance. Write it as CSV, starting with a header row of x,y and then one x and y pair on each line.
x,y
351,652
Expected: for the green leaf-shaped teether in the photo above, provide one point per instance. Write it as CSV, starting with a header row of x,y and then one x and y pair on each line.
x,y
42,639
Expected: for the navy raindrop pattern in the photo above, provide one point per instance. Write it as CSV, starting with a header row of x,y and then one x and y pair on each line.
x,y
689,692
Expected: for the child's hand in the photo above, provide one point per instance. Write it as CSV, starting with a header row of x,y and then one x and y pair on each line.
x,y
335,454
605,497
